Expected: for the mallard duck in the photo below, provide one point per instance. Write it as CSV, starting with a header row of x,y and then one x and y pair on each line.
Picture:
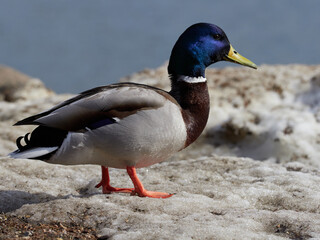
x,y
130,125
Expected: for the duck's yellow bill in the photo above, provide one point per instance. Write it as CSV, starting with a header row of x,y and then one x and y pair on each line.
x,y
234,56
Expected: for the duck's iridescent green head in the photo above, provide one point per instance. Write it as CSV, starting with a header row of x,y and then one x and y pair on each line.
x,y
198,47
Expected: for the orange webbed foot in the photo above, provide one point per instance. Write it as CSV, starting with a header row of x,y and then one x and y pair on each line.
x,y
105,184
106,189
152,194
140,190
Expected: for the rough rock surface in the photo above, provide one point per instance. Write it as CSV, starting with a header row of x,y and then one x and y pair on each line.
x,y
270,114
18,86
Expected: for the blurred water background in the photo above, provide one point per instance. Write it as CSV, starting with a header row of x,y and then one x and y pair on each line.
x,y
76,45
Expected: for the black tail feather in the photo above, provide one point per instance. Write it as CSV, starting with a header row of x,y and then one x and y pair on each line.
x,y
42,137
18,142
26,138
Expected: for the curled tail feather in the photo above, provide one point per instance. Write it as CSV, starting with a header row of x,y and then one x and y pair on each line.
x,y
26,140
40,144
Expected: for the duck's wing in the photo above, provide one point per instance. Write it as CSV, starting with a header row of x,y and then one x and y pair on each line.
x,y
94,106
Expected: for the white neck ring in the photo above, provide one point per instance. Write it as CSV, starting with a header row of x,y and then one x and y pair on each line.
x,y
191,79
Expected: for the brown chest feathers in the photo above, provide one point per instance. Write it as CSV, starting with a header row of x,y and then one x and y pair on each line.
x,y
195,103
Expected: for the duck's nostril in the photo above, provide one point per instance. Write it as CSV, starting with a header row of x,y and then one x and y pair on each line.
x,y
235,52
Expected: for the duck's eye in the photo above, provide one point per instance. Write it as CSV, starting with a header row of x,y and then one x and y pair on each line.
x,y
217,36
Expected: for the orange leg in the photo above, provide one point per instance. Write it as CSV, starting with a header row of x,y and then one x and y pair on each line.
x,y
105,183
140,190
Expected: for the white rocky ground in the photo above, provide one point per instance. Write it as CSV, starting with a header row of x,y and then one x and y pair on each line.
x,y
271,114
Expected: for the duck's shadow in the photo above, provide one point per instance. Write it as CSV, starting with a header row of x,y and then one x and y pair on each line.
x,y
11,200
